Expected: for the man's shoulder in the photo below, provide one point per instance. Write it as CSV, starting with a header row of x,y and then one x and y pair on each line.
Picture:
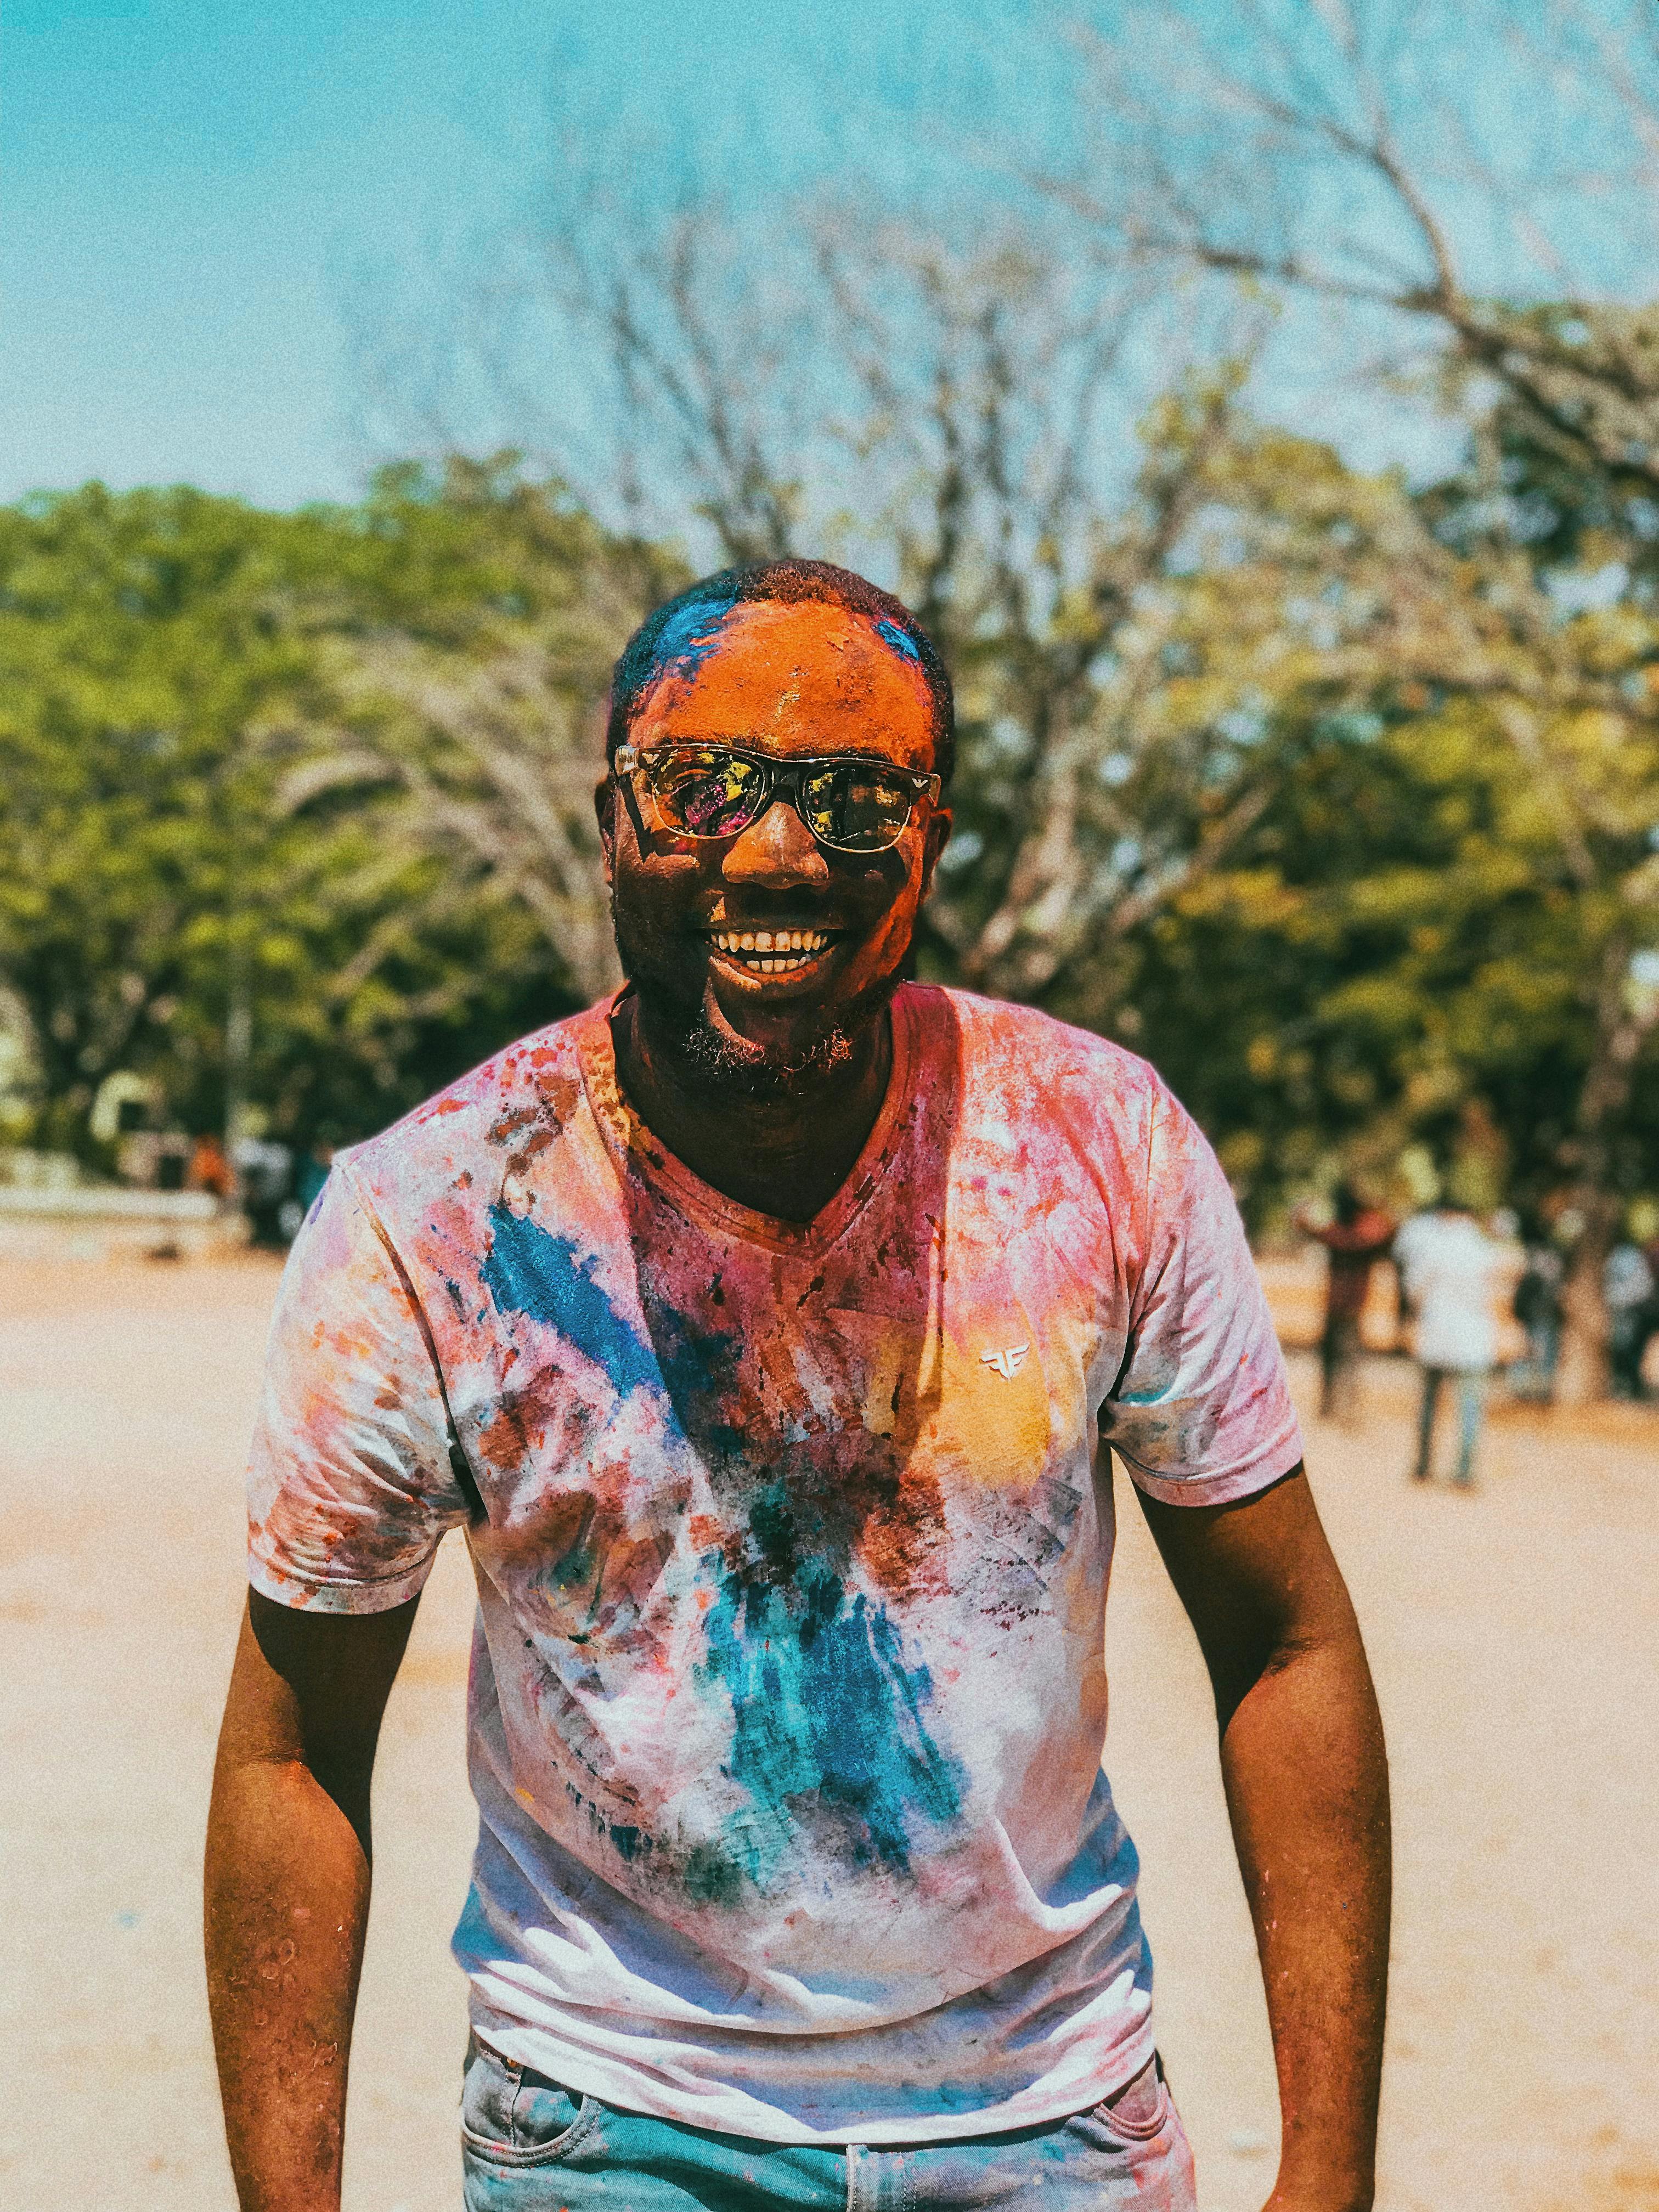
x,y
1080,1109
513,1103
1033,1050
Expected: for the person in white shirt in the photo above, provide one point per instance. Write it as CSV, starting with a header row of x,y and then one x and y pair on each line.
x,y
1449,1268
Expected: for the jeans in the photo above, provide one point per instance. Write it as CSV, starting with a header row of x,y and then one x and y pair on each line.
x,y
1533,1377
528,2145
1338,1365
1627,1339
1471,1401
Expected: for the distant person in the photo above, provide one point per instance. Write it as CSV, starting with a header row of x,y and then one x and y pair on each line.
x,y
310,1176
1627,1290
1649,1319
1537,1306
1355,1239
265,1172
210,1168
1449,1274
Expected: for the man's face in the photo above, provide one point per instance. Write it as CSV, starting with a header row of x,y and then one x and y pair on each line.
x,y
786,681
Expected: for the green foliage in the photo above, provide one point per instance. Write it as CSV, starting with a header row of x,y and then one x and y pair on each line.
x,y
1427,936
138,637
169,665
1338,803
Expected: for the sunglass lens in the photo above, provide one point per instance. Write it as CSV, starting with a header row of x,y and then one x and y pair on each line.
x,y
708,794
856,807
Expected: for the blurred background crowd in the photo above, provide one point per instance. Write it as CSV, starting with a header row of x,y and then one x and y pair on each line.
x,y
1271,445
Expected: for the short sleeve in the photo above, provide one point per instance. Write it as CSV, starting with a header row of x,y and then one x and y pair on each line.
x,y
350,1483
1200,1412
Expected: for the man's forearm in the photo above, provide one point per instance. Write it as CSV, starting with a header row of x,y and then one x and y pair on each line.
x,y
1307,1788
287,1898
287,1887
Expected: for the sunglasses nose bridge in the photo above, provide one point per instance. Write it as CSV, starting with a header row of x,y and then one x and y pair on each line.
x,y
777,850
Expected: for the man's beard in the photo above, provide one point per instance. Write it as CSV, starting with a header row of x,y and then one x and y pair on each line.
x,y
731,1066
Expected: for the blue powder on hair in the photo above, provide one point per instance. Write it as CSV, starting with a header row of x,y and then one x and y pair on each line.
x,y
689,635
899,640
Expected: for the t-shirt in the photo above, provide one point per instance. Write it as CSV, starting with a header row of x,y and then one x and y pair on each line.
x,y
1354,1247
788,1692
1448,1269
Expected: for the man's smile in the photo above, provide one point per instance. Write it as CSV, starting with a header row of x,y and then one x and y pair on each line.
x,y
774,951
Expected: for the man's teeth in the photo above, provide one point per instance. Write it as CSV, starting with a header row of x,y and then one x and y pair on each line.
x,y
771,951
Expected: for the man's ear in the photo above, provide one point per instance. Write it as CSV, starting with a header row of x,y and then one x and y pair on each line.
x,y
604,812
937,837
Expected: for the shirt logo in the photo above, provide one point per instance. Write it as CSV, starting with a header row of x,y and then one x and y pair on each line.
x,y
1008,1363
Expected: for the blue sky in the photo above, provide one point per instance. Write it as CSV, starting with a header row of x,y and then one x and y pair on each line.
x,y
188,184
200,200
194,189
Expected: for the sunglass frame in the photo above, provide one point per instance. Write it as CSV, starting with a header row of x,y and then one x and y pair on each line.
x,y
782,777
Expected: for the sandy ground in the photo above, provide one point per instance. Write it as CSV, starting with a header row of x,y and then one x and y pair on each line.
x,y
1514,1635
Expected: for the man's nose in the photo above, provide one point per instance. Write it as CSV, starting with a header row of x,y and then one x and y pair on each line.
x,y
775,853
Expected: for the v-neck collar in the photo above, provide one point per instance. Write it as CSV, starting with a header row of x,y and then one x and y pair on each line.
x,y
640,1150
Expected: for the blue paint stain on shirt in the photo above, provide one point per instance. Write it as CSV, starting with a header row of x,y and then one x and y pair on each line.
x,y
532,1271
700,1369
901,640
830,1735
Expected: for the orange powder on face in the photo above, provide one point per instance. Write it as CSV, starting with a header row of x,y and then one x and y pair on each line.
x,y
805,677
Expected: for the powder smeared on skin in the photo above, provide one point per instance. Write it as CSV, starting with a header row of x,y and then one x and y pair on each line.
x,y
689,636
773,680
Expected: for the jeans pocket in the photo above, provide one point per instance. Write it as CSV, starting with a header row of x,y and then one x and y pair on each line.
x,y
1138,2113
514,2118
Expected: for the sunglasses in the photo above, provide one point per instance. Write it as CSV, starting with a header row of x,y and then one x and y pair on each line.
x,y
849,804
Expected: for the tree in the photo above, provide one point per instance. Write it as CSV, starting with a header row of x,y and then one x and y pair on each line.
x,y
1302,155
1328,154
136,638
315,768
1476,922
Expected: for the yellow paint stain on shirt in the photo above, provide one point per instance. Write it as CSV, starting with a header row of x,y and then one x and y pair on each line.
x,y
929,1389
996,1427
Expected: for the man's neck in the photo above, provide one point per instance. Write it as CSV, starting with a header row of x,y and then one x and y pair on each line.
x,y
785,1152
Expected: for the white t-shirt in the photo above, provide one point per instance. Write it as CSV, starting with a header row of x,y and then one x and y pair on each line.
x,y
1450,1267
792,1543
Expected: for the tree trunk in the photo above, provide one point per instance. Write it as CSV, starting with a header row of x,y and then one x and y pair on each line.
x,y
1622,1027
1582,1377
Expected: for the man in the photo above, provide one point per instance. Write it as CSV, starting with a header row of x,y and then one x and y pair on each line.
x,y
1448,1275
761,1328
1355,1238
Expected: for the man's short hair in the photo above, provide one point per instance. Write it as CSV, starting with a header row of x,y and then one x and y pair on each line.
x,y
685,630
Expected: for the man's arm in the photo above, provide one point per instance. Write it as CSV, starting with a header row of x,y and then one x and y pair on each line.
x,y
286,1888
1307,1784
